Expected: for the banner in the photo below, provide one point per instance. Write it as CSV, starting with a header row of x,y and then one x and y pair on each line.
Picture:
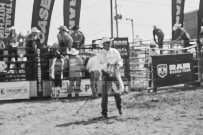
x,y
177,12
7,15
122,45
71,12
14,90
172,69
41,17
200,18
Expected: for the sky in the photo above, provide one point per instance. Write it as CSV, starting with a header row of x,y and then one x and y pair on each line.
x,y
95,17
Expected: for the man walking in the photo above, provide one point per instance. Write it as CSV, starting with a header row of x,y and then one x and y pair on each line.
x,y
111,61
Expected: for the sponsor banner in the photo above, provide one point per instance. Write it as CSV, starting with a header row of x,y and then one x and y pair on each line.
x,y
172,69
177,12
14,90
7,15
71,12
200,17
41,17
122,45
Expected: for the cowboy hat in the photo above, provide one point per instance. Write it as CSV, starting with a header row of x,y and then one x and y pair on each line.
x,y
73,51
76,27
63,28
176,26
34,29
104,40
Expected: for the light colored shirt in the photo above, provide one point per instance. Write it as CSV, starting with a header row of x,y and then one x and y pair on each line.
x,y
111,56
93,64
75,63
65,37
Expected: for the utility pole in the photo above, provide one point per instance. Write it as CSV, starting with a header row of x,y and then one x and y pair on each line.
x,y
116,18
132,29
111,3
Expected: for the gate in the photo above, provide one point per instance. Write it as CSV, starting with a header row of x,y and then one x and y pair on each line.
x,y
148,78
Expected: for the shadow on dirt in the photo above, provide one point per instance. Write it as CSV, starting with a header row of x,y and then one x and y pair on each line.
x,y
109,120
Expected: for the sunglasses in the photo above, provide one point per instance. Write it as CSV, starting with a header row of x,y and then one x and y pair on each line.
x,y
107,44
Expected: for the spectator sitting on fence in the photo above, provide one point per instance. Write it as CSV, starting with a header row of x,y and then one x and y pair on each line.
x,y
2,46
64,39
32,39
21,39
56,73
180,35
78,38
31,42
94,67
12,43
75,64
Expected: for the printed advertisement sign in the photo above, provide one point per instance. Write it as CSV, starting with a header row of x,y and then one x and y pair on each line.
x,y
14,90
41,18
71,12
172,69
122,45
7,15
177,12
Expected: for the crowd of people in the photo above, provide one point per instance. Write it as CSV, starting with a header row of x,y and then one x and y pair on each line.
x,y
103,65
179,35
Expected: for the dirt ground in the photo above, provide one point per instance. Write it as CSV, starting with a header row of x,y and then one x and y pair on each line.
x,y
169,112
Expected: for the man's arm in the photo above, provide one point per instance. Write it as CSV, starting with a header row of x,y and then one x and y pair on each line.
x,y
69,39
119,61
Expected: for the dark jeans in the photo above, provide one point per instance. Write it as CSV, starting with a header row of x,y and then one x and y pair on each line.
x,y
106,82
160,43
58,80
1,53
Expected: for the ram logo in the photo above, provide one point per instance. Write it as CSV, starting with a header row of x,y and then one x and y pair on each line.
x,y
162,70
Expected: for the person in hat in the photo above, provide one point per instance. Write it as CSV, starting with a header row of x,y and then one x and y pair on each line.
x,y
76,66
111,61
148,63
32,40
2,46
64,39
78,38
94,68
12,44
56,74
160,36
180,35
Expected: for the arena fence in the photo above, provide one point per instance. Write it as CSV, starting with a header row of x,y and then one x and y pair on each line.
x,y
148,78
